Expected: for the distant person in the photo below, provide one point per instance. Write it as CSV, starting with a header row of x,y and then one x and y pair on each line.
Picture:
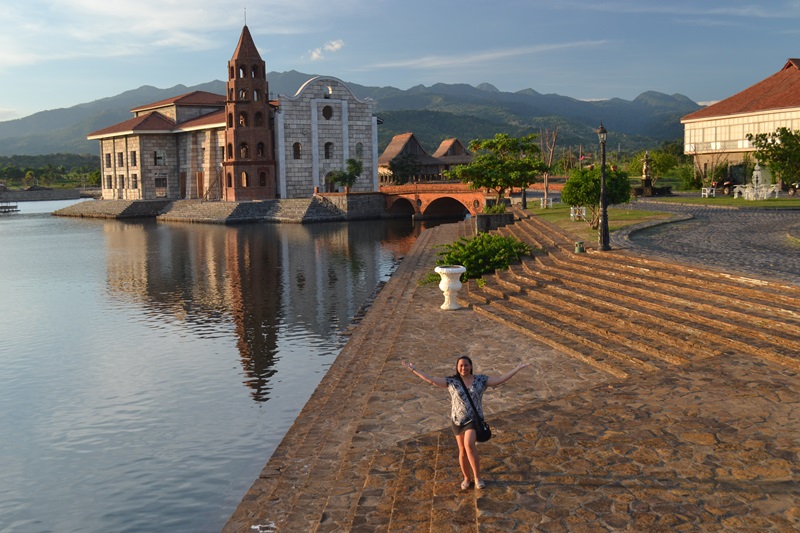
x,y
461,413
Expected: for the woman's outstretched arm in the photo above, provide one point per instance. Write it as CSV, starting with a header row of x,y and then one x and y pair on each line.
x,y
439,382
497,380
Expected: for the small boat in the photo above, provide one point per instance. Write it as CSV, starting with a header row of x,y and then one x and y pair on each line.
x,y
8,207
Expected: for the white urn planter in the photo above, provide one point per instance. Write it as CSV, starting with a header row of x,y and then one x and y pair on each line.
x,y
450,284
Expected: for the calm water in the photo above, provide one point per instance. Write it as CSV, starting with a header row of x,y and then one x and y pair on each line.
x,y
147,371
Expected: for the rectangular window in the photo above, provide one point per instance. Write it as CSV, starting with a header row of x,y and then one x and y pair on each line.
x,y
159,158
134,181
121,181
120,159
109,183
108,160
161,187
133,158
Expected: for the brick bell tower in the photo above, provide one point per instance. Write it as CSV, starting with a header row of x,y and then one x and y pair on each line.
x,y
249,164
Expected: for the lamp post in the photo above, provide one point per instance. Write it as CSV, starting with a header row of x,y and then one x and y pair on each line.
x,y
602,236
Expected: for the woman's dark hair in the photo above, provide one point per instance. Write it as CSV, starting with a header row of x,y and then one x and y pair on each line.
x,y
471,366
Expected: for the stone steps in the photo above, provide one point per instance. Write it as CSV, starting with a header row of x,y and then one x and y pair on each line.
x,y
298,210
623,315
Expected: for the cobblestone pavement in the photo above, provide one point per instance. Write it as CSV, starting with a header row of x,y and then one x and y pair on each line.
x,y
710,444
761,242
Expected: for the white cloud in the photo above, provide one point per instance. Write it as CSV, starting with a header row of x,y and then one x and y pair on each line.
x,y
40,31
481,58
331,46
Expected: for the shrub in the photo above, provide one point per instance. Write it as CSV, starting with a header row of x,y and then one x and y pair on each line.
x,y
483,254
495,209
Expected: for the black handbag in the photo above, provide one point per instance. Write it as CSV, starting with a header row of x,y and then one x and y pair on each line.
x,y
482,430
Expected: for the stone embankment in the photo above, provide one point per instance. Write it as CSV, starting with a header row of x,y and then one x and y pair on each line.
x,y
301,210
661,397
43,195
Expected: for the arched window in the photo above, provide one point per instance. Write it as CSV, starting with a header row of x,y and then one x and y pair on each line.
x,y
233,73
327,112
328,150
230,93
254,71
244,151
242,71
229,180
230,151
230,120
255,95
242,94
260,149
243,119
259,119
245,180
296,150
262,179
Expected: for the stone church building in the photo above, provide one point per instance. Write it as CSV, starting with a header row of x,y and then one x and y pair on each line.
x,y
241,146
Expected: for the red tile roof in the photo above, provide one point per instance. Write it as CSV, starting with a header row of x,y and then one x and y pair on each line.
x,y
779,91
153,122
196,98
211,119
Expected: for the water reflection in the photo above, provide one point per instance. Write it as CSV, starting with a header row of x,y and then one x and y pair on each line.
x,y
305,280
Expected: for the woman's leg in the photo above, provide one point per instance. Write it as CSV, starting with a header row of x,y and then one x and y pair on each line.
x,y
463,461
468,455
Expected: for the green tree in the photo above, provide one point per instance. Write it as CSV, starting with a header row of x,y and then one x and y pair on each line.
x,y
346,178
403,167
780,151
661,162
501,162
583,189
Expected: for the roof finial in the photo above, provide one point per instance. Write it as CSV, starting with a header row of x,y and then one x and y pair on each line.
x,y
245,15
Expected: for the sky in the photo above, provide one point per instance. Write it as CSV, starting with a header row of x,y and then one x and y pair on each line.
x,y
60,53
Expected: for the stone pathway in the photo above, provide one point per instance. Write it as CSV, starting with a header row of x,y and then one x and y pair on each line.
x,y
662,397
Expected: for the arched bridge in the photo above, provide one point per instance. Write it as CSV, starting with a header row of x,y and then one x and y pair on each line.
x,y
433,200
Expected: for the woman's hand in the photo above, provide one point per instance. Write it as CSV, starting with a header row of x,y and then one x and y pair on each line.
x,y
439,382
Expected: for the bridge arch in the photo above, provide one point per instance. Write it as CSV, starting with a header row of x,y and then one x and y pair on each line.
x,y
401,206
444,207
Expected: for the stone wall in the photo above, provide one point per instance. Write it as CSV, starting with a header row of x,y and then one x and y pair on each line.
x,y
39,196
317,130
357,206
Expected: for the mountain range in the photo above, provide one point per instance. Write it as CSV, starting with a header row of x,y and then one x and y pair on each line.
x,y
432,113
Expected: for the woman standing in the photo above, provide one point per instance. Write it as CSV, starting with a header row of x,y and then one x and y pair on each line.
x,y
461,412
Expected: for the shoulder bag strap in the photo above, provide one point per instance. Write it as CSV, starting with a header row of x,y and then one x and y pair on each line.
x,y
478,417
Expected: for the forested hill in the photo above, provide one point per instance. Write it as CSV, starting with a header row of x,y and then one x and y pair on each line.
x,y
433,113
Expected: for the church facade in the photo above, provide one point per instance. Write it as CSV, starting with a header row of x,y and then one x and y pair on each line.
x,y
241,146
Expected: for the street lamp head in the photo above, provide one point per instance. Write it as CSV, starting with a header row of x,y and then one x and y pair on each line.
x,y
602,133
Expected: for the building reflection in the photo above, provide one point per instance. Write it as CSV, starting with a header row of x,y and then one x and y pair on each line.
x,y
268,285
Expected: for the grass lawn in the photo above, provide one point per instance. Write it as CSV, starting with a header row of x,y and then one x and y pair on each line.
x,y
617,218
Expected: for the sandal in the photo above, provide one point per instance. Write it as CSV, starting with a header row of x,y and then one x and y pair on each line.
x,y
480,484
465,484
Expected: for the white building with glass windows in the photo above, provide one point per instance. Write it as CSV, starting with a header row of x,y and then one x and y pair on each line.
x,y
717,134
